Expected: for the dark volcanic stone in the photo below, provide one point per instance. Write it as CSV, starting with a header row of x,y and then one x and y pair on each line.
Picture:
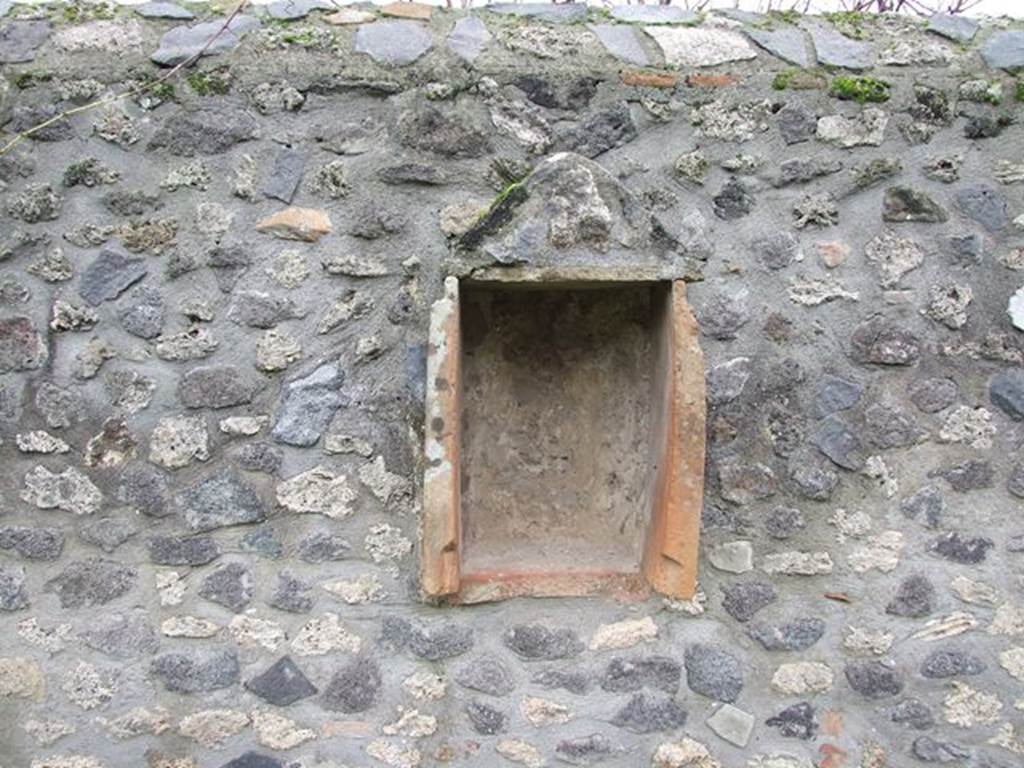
x,y
795,722
950,663
926,503
291,594
971,475
21,346
535,641
255,309
230,585
572,681
928,750
734,201
713,672
215,386
654,672
307,406
442,641
20,39
254,760
812,480
108,532
208,130
182,550
839,444
968,551
1015,481
13,595
145,488
983,127
258,457
599,132
24,118
282,684
905,204
984,204
143,313
412,173
797,122
457,131
487,674
744,599
796,635
913,713
881,342
890,427
109,275
932,395
262,541
783,522
223,499
584,750
873,679
1006,390
486,720
646,713
196,671
353,688
723,315
323,547
914,599
122,636
835,394
85,583
777,250
32,543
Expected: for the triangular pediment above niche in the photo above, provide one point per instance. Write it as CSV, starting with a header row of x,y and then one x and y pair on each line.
x,y
571,212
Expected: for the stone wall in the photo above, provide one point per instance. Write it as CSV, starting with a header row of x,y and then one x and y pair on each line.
x,y
214,299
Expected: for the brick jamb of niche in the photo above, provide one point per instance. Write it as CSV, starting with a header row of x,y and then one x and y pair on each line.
x,y
670,549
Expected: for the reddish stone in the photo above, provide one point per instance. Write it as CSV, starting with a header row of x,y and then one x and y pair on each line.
x,y
707,80
831,756
648,79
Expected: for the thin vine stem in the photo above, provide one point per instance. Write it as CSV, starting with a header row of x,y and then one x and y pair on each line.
x,y
115,98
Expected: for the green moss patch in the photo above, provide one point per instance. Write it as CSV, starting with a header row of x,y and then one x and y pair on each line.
x,y
863,90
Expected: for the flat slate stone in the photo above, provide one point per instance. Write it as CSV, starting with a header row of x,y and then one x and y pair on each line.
x,y
182,43
393,42
554,14
282,684
653,14
959,28
109,275
284,179
836,50
20,39
468,38
289,10
699,47
161,10
1004,50
622,42
787,43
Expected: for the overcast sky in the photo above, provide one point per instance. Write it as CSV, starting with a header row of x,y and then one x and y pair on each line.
x,y
986,7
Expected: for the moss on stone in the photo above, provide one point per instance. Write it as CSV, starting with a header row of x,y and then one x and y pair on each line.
x,y
214,82
863,90
1019,90
798,80
849,23
27,79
